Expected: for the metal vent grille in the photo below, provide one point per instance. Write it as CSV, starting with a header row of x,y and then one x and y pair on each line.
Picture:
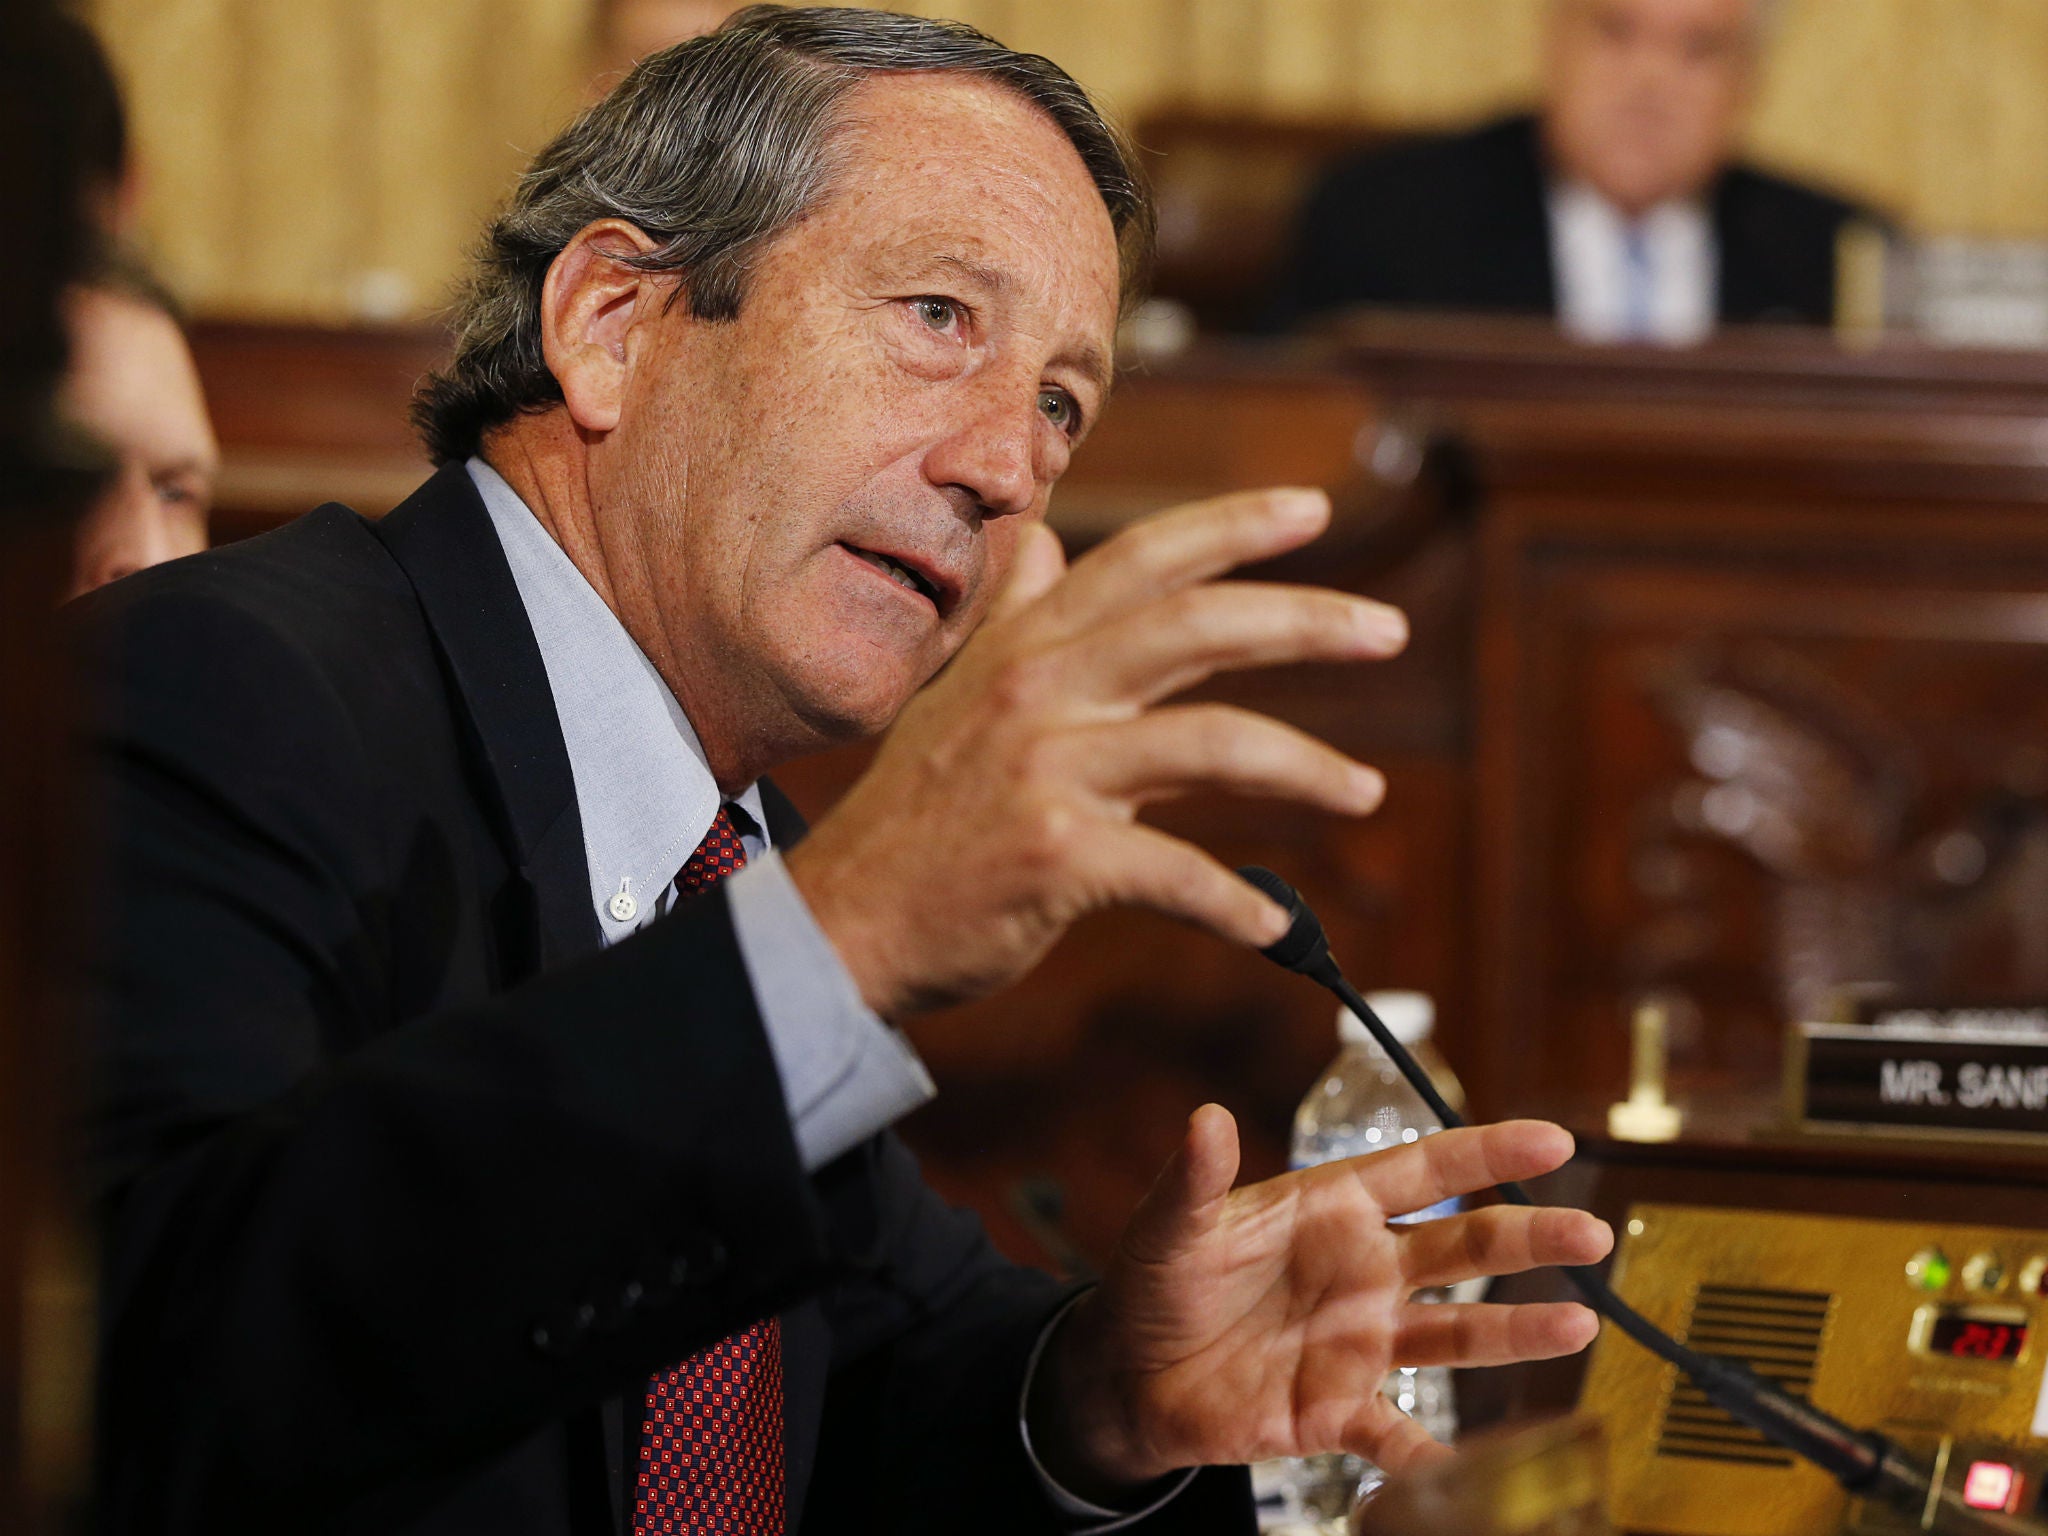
x,y
1777,1334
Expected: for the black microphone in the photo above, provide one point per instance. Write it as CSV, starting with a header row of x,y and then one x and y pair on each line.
x,y
1306,948
1864,1463
1303,947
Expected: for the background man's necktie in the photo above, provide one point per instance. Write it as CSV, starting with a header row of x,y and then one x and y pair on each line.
x,y
1639,294
711,1432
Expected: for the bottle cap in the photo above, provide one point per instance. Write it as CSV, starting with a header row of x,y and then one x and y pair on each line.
x,y
1409,1017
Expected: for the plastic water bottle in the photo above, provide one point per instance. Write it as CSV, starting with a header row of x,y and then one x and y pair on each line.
x,y
1363,1104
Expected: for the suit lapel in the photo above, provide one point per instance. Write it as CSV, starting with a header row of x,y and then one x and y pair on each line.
x,y
443,539
1521,217
1740,289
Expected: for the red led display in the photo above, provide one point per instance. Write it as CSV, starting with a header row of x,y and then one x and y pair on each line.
x,y
1989,1485
1962,1337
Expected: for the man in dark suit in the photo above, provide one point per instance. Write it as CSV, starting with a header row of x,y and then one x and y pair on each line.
x,y
495,1092
1620,209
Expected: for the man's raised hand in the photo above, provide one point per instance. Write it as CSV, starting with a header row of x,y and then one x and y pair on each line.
x,y
1004,803
1237,1325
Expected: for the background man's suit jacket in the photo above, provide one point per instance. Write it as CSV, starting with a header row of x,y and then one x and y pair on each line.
x,y
407,1184
1461,222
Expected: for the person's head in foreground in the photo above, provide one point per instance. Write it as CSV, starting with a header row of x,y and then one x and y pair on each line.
x,y
133,389
1644,99
83,76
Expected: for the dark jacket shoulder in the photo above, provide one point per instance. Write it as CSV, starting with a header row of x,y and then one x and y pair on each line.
x,y
1451,221
312,617
1778,247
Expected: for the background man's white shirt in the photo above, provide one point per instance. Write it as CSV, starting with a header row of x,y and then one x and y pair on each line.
x,y
1654,279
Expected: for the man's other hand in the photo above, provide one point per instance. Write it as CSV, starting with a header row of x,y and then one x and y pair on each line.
x,y
1236,1325
1004,803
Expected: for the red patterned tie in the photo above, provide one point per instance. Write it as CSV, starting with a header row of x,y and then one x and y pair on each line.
x,y
711,1434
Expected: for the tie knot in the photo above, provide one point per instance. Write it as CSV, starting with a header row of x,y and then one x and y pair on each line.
x,y
719,855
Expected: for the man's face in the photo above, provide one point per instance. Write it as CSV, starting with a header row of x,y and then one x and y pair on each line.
x,y
133,386
1645,97
815,502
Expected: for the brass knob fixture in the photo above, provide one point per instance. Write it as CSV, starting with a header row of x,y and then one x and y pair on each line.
x,y
1984,1272
1646,1115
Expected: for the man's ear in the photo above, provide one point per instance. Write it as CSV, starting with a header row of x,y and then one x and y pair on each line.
x,y
588,306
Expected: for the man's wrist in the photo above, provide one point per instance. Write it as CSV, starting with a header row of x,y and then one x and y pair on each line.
x,y
839,914
1076,1417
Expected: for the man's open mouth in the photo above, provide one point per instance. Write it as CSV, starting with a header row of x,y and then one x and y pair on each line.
x,y
900,573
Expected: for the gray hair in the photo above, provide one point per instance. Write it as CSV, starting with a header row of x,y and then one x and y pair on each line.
x,y
713,148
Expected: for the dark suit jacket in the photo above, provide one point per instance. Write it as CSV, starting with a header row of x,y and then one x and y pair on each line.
x,y
407,1184
1460,222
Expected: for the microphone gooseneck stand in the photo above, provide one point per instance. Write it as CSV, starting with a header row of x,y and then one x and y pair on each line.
x,y
1862,1461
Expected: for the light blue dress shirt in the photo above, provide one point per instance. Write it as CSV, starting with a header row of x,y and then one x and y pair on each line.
x,y
647,797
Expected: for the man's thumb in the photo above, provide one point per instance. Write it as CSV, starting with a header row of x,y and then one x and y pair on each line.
x,y
1187,1198
1035,569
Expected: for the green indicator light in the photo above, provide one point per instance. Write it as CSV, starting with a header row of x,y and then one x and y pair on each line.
x,y
1929,1270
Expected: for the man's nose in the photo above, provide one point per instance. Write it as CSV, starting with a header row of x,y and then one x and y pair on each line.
x,y
993,458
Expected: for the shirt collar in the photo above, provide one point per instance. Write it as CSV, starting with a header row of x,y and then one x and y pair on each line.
x,y
1673,219
643,787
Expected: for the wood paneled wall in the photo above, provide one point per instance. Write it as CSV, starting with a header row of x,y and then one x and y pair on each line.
x,y
331,158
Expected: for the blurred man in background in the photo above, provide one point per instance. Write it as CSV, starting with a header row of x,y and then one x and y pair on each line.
x,y
133,388
1619,208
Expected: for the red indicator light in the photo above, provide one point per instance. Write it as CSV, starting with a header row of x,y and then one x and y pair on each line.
x,y
1989,1485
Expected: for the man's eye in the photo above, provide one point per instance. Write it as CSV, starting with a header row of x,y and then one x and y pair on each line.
x,y
939,314
1060,409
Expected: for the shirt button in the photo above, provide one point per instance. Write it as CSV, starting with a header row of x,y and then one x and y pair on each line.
x,y
623,908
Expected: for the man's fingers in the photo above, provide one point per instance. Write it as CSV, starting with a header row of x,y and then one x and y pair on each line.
x,y
1217,746
1180,547
1500,1240
1445,1333
1389,1439
1149,653
1186,1199
1035,569
1415,1177
1141,866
